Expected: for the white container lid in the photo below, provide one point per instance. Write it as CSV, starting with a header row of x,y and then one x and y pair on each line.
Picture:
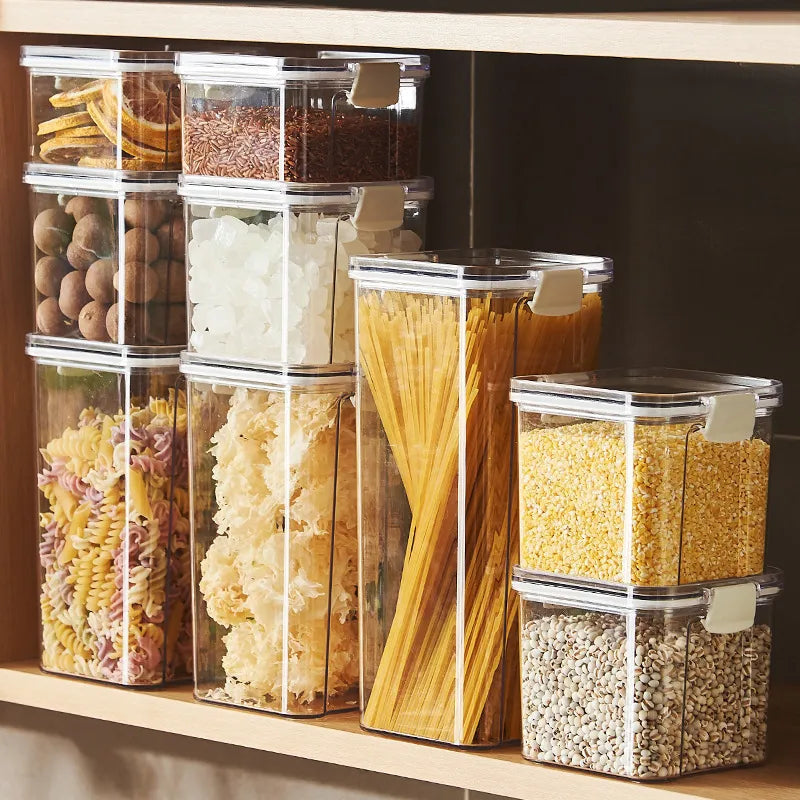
x,y
271,377
260,194
64,179
482,270
254,70
656,393
108,357
79,61
594,595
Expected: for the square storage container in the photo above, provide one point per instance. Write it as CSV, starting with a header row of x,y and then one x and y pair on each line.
x,y
650,477
108,255
114,512
440,334
274,536
107,109
645,682
346,118
268,262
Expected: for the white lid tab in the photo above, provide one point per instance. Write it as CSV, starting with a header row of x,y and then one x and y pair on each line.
x,y
731,608
376,85
731,417
559,293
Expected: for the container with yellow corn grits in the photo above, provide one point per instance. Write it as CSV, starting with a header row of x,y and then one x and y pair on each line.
x,y
439,336
652,477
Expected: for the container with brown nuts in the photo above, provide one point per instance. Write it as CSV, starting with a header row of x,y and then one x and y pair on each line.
x,y
108,255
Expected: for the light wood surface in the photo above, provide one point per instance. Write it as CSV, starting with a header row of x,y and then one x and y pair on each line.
x,y
759,37
338,739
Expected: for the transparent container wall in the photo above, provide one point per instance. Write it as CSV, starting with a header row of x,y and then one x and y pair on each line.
x,y
307,132
644,503
643,695
272,285
110,268
130,121
275,604
114,525
439,621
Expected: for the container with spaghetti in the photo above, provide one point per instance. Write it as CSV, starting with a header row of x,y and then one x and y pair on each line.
x,y
440,334
274,535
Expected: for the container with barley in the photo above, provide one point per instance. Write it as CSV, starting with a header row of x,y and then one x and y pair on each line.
x,y
645,682
652,477
340,117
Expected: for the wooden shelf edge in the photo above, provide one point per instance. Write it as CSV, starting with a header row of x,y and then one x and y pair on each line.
x,y
339,740
756,37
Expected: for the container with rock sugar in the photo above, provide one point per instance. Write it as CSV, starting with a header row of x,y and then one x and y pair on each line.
x,y
268,262
645,682
338,118
273,492
652,477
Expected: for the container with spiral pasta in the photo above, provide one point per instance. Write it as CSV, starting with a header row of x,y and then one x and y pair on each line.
x,y
440,335
651,477
103,109
338,118
108,251
115,592
646,683
274,536
268,262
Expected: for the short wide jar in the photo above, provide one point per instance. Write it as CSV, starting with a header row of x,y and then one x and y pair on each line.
x,y
115,591
274,536
645,682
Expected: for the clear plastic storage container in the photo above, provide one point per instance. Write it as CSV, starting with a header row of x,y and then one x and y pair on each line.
x,y
653,477
341,117
108,254
274,536
111,109
645,683
440,335
114,512
268,262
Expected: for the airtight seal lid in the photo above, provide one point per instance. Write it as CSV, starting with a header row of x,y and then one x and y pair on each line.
x,y
739,595
260,194
728,402
65,179
79,61
109,357
257,70
496,269
226,372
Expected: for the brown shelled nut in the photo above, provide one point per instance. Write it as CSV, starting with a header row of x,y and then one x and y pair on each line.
x,y
49,319
147,213
140,282
172,238
135,322
79,258
100,280
171,281
92,321
140,245
52,231
80,207
49,273
95,234
73,296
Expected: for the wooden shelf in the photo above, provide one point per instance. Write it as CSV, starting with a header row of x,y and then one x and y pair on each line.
x,y
339,740
758,37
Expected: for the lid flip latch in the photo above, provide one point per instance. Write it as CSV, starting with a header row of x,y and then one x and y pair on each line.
x,y
376,84
559,293
379,208
731,417
731,608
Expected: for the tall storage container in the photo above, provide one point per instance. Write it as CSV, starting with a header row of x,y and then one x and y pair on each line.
x,y
343,118
114,512
108,255
645,683
105,109
440,334
274,536
650,477
268,262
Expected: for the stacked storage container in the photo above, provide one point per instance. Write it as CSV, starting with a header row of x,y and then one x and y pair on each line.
x,y
291,166
646,603
109,276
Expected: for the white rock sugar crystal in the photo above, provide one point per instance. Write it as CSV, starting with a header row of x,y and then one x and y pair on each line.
x,y
247,276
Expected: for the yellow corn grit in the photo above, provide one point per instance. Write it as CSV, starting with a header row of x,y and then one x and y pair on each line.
x,y
609,501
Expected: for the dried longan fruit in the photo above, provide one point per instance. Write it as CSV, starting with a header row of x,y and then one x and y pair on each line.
x,y
73,296
92,321
140,245
135,322
95,234
100,280
171,281
81,207
49,319
79,258
140,282
167,323
146,212
49,273
172,239
52,231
